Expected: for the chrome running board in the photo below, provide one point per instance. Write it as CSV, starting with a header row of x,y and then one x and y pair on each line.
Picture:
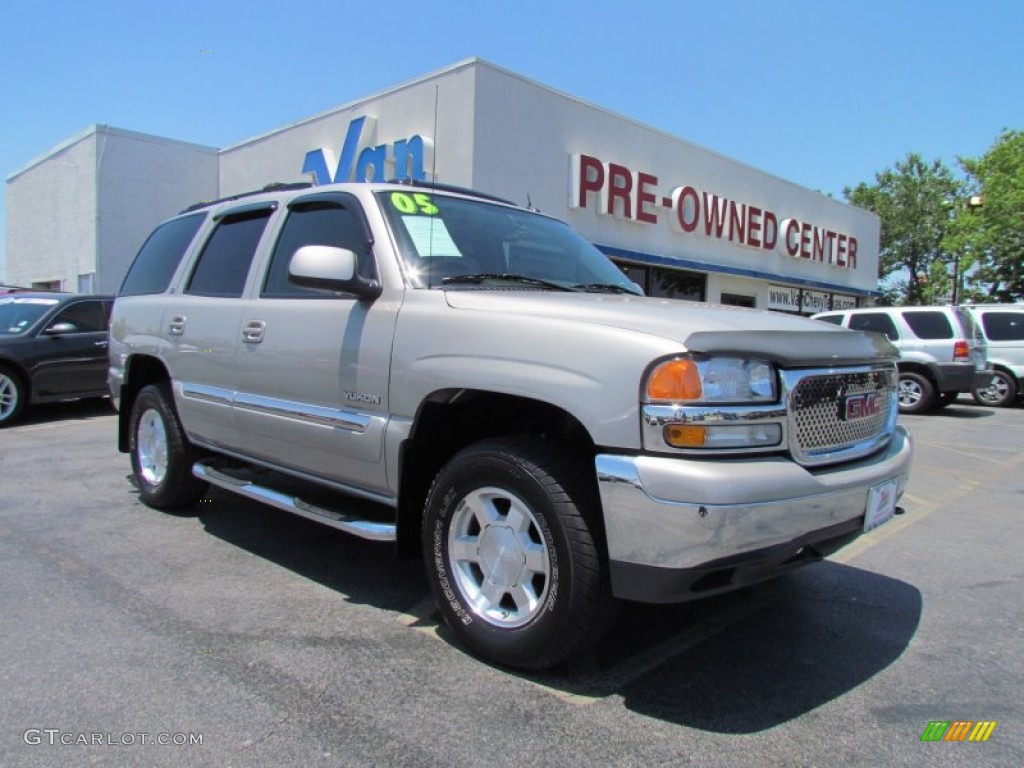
x,y
364,529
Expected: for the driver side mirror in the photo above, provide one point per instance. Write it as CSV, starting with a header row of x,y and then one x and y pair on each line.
x,y
326,268
59,329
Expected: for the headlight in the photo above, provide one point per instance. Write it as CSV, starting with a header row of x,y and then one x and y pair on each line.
x,y
712,380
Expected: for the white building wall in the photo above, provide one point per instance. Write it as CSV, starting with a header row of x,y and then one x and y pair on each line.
x,y
526,135
395,115
51,216
143,180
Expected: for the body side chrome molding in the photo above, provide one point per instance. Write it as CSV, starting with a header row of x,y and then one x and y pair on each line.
x,y
351,421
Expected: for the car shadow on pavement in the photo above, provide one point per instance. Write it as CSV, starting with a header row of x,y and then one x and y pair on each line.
x,y
73,410
363,571
735,663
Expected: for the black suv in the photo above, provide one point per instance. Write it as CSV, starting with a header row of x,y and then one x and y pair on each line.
x,y
53,346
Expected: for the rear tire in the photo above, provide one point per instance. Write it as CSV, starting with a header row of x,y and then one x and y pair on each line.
x,y
1000,393
12,396
515,564
916,393
162,457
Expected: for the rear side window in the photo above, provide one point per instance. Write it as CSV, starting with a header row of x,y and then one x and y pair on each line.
x,y
929,324
878,322
224,263
159,256
1004,326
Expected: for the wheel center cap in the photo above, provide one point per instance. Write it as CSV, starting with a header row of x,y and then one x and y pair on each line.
x,y
501,555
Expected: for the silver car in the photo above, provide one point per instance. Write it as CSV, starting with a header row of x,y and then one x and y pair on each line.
x,y
942,350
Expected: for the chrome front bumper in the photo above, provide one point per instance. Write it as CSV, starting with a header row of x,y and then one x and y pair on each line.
x,y
671,518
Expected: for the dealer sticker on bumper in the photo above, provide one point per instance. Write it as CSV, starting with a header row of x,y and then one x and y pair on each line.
x,y
881,504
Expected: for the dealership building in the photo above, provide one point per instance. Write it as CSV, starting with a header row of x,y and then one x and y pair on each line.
x,y
682,221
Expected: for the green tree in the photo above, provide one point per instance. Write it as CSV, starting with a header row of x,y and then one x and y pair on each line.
x,y
987,236
916,202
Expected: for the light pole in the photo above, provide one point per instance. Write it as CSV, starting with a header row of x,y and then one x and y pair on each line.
x,y
973,202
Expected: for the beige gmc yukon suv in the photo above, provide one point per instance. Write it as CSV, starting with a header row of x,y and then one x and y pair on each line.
x,y
548,438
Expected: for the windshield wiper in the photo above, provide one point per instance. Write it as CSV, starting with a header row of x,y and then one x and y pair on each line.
x,y
604,288
479,278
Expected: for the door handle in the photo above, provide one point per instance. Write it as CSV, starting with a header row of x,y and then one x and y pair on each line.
x,y
252,333
177,325
99,343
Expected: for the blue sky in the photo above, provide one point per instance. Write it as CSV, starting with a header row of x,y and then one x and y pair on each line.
x,y
822,93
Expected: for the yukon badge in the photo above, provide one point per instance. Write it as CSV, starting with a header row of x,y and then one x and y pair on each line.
x,y
360,397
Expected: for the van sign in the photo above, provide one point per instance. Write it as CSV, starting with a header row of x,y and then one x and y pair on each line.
x,y
402,159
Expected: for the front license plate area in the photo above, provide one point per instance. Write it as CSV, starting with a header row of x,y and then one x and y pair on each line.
x,y
881,504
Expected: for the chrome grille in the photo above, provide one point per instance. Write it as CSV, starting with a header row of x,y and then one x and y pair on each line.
x,y
838,415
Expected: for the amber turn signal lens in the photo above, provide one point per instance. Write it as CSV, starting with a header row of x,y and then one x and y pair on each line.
x,y
685,437
675,380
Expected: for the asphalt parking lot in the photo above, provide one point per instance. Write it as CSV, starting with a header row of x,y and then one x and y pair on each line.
x,y
274,641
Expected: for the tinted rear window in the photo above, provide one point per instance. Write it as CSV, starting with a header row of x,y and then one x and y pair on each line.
x,y
929,324
1004,326
156,261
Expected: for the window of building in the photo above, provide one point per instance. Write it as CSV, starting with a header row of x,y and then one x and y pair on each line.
x,y
929,324
159,256
879,322
666,283
677,284
46,285
319,223
224,263
87,282
739,300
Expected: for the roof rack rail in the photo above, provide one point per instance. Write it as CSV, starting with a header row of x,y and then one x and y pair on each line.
x,y
441,187
277,186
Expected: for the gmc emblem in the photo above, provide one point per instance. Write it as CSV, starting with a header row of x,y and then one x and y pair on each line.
x,y
860,406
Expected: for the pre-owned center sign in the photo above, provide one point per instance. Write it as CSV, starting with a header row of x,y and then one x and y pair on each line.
x,y
617,191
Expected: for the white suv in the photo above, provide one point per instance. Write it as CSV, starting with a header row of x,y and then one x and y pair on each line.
x,y
942,351
1003,328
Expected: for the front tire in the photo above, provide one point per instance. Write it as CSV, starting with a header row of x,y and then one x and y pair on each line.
x,y
1000,393
162,457
916,393
12,396
513,560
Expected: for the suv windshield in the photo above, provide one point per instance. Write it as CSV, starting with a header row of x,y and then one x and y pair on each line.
x,y
18,315
455,242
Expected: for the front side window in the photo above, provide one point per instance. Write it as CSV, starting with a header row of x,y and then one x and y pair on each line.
x,y
316,223
450,241
154,266
877,322
86,316
224,263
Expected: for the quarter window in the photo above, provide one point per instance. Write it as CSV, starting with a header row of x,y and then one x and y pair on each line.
x,y
159,256
224,263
